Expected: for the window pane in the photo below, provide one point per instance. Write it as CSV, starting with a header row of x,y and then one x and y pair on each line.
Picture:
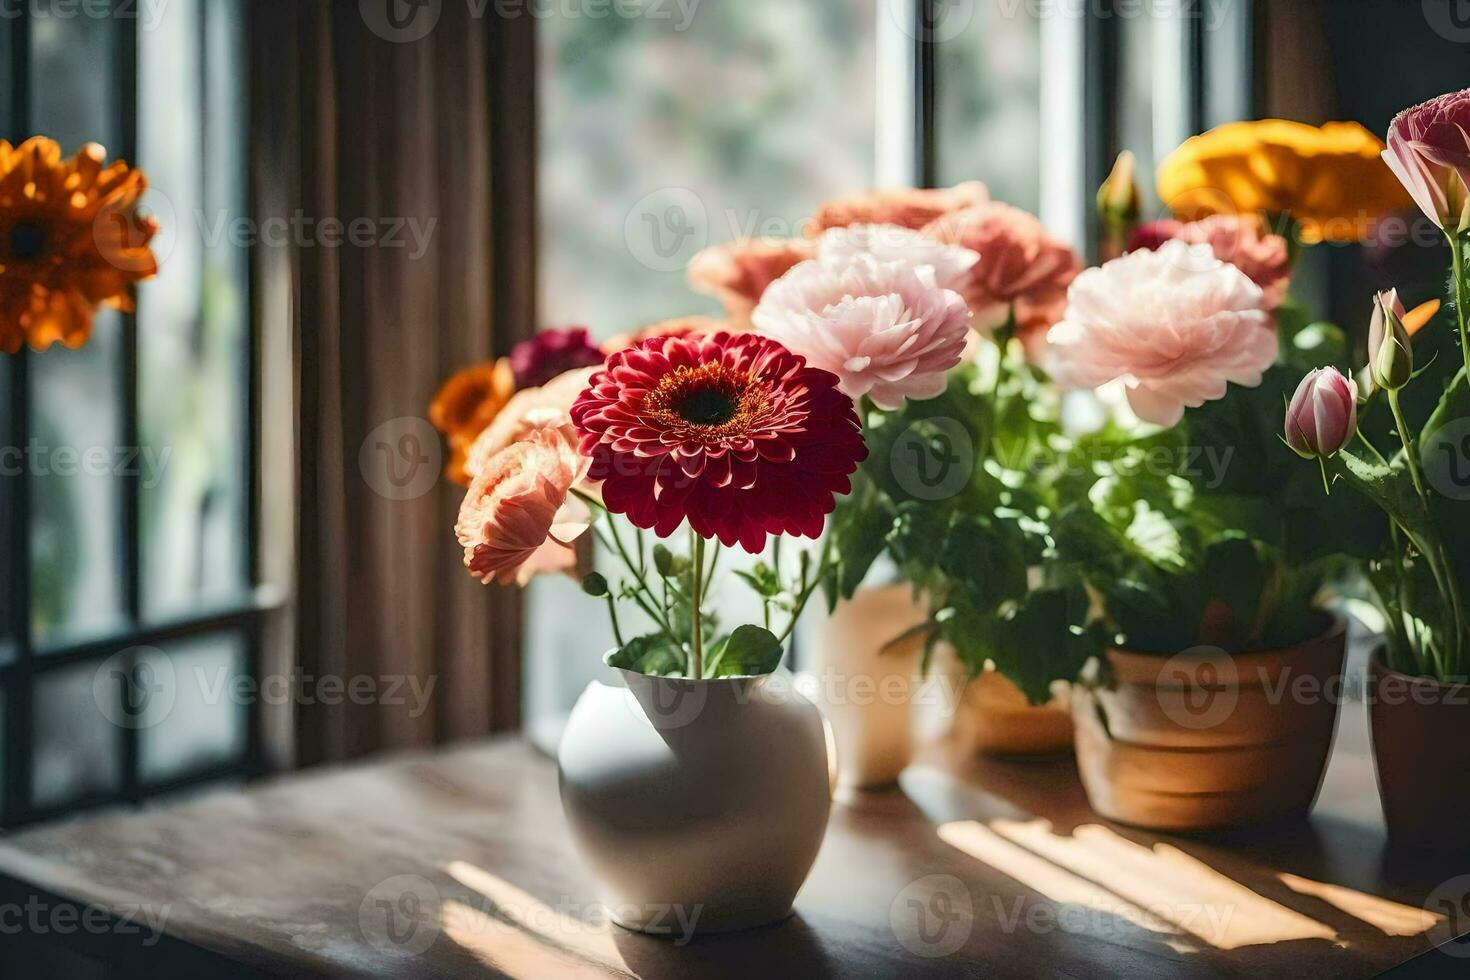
x,y
659,137
76,432
191,317
988,99
76,740
202,723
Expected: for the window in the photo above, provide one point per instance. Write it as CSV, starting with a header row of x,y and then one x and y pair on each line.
x,y
129,608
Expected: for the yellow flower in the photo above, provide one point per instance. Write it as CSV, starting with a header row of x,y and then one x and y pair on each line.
x,y
1330,180
71,238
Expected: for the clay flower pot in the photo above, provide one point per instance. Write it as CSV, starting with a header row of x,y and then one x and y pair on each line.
x,y
1419,726
700,805
1204,740
996,719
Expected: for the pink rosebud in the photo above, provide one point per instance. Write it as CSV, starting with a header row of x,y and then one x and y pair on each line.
x,y
1429,152
1323,414
1390,352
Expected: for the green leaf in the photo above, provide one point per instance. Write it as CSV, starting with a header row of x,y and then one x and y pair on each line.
x,y
663,560
595,585
1390,487
762,579
1235,574
749,651
654,654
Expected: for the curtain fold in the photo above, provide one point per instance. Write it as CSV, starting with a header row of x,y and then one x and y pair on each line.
x,y
398,139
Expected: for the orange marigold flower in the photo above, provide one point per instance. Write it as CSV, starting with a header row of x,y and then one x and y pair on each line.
x,y
1330,180
911,208
71,238
466,404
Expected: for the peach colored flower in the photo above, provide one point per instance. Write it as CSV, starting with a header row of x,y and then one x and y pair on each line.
x,y
519,518
737,273
886,329
910,207
1174,325
679,326
527,412
1021,267
1237,239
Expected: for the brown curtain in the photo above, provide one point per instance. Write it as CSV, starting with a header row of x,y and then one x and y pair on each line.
x,y
430,139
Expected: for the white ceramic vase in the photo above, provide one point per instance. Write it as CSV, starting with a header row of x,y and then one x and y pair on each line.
x,y
700,805
866,683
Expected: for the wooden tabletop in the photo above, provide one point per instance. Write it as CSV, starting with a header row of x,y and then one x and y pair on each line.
x,y
457,864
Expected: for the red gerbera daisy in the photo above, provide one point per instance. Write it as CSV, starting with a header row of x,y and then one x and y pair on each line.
x,y
733,432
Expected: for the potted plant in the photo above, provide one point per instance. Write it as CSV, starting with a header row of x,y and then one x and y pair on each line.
x,y
1204,546
1401,440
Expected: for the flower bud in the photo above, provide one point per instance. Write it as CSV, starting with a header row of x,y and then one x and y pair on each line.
x,y
1323,414
1390,352
1118,205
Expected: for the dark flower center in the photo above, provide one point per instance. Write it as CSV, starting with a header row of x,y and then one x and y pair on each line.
x,y
707,406
27,240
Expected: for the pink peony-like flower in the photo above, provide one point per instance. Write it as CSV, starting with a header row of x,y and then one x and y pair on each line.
x,y
1174,325
1021,267
528,411
954,265
1323,415
550,353
909,207
519,518
1237,239
737,273
1429,152
733,433
886,329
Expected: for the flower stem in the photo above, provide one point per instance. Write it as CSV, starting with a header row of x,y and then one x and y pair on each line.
x,y
696,615
1408,441
1457,259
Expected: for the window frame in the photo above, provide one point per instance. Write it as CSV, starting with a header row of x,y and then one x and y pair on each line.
x,y
244,616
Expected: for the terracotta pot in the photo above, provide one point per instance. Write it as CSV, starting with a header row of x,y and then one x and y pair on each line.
x,y
1204,740
865,683
700,805
1419,726
996,719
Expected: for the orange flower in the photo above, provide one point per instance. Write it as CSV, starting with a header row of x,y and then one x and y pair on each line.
x,y
737,273
528,411
1329,180
71,238
911,208
679,326
465,405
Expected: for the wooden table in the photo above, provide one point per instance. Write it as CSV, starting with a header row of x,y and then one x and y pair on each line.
x,y
456,864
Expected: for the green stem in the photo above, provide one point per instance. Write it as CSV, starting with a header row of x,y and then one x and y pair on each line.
x,y
805,593
1408,441
612,612
696,651
1458,263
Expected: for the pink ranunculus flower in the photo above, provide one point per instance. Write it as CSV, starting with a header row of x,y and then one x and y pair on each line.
x,y
1323,415
1429,152
519,518
1237,239
527,412
737,273
1021,267
1174,325
954,266
886,329
909,207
